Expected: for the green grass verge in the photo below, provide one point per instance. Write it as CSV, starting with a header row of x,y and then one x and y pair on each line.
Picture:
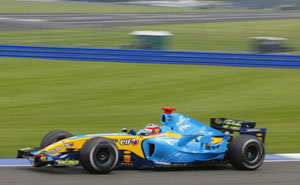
x,y
17,6
224,36
92,97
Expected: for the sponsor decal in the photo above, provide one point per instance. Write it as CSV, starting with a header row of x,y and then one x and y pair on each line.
x,y
57,148
63,156
233,124
134,142
184,127
127,164
115,140
170,118
52,151
129,141
67,162
182,120
219,121
170,142
162,163
253,130
68,144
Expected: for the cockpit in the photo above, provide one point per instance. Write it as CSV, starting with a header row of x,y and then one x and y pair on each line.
x,y
150,129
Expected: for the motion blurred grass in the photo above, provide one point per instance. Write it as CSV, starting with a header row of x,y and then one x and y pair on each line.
x,y
224,36
19,6
91,97
229,36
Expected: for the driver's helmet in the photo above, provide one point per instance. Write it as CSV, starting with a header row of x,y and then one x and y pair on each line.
x,y
152,129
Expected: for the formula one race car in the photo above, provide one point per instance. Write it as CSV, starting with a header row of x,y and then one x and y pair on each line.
x,y
181,141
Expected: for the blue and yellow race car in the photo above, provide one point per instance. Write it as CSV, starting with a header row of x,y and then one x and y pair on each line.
x,y
180,141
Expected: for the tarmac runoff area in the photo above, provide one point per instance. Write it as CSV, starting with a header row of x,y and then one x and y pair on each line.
x,y
278,169
104,20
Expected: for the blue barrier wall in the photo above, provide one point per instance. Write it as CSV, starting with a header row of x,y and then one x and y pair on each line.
x,y
151,56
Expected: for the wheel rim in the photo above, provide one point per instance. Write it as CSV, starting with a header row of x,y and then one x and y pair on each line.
x,y
252,153
104,155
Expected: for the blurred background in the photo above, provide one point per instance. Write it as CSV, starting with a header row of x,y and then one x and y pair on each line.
x,y
37,96
226,26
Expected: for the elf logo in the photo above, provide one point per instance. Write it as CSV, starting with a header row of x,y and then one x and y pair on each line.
x,y
129,141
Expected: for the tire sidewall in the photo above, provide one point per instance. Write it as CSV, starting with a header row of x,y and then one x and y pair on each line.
x,y
93,156
88,155
54,136
238,154
258,160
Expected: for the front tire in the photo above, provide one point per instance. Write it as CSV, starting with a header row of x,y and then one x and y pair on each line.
x,y
50,138
99,155
54,136
246,152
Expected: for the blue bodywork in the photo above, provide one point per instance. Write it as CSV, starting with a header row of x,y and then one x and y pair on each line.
x,y
194,145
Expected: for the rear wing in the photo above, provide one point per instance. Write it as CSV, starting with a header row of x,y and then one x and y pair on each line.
x,y
243,127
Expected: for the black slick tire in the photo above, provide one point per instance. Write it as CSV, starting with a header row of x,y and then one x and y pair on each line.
x,y
54,136
99,155
246,152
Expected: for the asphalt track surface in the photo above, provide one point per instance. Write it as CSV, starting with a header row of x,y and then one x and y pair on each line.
x,y
103,20
278,173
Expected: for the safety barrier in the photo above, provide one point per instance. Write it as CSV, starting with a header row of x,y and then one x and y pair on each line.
x,y
151,56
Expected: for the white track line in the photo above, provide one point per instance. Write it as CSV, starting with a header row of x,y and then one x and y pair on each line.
x,y
270,158
21,20
275,161
265,161
1,166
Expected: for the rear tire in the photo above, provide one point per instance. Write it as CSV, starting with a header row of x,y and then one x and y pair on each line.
x,y
99,155
54,136
246,152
